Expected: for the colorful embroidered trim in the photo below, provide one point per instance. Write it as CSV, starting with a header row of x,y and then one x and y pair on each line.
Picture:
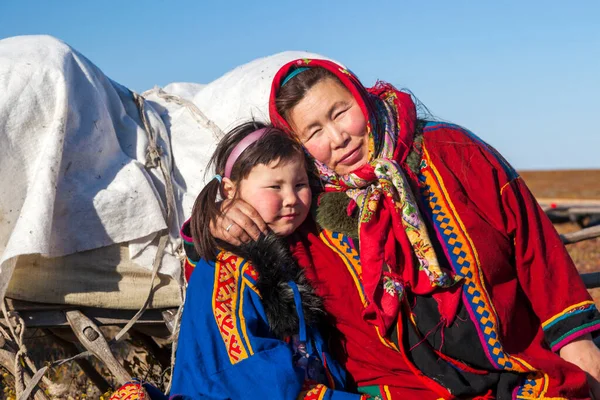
x,y
376,392
464,259
535,386
342,246
228,306
130,391
188,268
573,334
312,391
568,312
250,276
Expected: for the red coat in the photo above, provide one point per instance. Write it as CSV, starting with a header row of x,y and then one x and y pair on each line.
x,y
522,297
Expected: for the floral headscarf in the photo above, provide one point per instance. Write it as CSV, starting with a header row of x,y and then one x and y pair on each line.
x,y
395,249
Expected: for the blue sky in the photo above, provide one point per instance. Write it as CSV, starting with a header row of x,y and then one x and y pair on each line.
x,y
523,75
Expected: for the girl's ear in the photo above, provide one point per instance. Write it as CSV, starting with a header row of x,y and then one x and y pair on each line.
x,y
229,188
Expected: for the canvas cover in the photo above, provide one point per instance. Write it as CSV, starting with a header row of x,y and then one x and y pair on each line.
x,y
104,277
73,152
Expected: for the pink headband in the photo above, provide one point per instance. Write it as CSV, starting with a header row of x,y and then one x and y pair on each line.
x,y
239,149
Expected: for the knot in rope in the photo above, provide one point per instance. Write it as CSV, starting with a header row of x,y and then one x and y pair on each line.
x,y
153,155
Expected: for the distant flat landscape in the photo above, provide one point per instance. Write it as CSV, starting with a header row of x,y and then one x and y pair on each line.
x,y
571,184
565,184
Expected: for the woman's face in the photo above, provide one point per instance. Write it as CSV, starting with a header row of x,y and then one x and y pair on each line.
x,y
331,126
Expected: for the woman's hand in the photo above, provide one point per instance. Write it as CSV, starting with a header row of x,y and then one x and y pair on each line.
x,y
240,223
584,353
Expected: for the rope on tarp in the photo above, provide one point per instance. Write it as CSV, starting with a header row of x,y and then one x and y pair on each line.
x,y
154,155
196,113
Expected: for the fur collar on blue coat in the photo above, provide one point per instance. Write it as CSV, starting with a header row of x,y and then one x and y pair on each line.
x,y
271,257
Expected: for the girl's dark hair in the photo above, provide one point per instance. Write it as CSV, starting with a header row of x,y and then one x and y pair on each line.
x,y
290,94
273,146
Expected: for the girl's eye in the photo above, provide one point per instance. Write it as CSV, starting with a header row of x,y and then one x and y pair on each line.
x,y
301,185
274,187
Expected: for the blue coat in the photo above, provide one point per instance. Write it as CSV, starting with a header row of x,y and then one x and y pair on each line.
x,y
227,350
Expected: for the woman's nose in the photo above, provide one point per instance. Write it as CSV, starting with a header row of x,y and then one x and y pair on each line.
x,y
338,136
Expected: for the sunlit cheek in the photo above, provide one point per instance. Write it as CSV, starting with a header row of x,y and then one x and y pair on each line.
x,y
306,199
319,149
270,205
306,196
357,124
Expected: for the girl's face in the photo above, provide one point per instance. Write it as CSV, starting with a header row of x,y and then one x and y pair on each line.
x,y
279,192
331,126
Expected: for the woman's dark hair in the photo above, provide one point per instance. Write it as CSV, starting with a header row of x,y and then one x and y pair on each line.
x,y
273,146
290,94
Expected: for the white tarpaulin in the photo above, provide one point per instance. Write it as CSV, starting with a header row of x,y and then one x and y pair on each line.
x,y
73,150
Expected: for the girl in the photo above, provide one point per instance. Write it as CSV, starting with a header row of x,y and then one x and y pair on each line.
x,y
249,325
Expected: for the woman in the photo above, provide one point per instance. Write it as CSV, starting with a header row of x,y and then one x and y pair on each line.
x,y
441,274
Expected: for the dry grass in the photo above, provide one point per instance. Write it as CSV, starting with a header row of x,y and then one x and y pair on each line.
x,y
568,184
69,380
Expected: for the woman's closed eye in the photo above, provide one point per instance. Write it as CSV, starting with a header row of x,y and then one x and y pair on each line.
x,y
339,113
313,134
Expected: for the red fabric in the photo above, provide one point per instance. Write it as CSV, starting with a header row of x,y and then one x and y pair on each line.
x,y
188,268
361,350
528,273
525,269
385,249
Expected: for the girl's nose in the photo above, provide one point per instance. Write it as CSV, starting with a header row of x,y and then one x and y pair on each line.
x,y
290,198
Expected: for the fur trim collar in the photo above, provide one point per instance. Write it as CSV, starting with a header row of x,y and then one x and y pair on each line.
x,y
271,257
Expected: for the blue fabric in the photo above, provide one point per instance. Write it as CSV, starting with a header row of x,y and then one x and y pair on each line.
x,y
293,74
299,311
203,367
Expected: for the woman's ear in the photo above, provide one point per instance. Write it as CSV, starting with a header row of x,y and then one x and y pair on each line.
x,y
229,188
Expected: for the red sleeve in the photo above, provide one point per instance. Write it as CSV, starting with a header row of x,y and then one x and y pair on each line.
x,y
543,266
545,270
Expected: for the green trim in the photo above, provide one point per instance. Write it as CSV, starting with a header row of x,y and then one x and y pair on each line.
x,y
374,391
572,331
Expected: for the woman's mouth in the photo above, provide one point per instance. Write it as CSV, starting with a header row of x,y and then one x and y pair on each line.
x,y
351,157
288,217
